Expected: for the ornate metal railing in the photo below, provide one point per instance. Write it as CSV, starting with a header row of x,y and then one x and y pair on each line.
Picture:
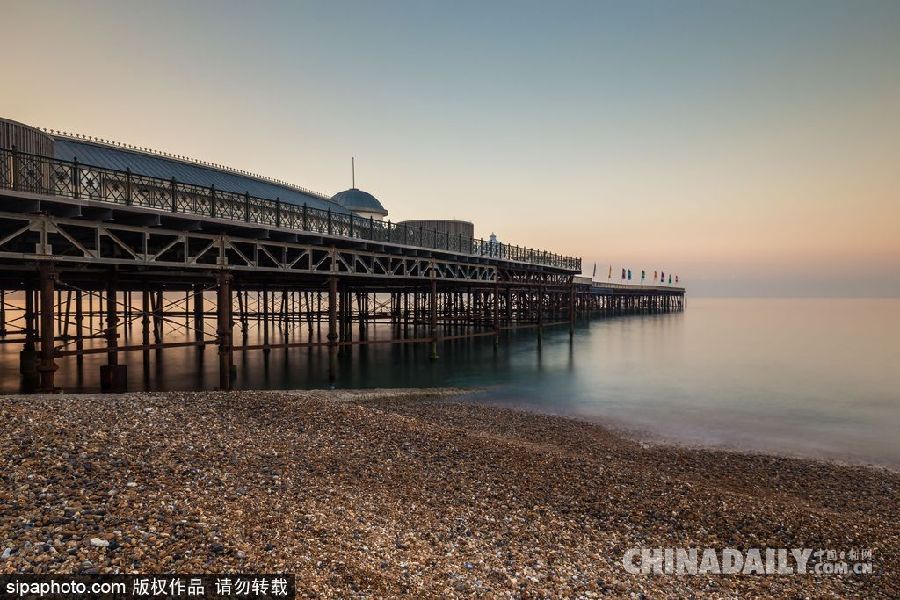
x,y
20,171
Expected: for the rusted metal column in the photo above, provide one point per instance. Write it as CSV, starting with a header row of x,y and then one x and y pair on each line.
x,y
145,317
2,313
496,313
223,329
29,319
79,327
112,374
265,321
318,315
540,314
47,367
68,314
242,314
126,314
309,314
342,319
158,314
198,312
433,318
362,309
571,309
332,329
112,323
28,358
404,312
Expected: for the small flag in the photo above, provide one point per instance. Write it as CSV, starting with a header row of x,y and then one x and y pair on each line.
x,y
654,275
676,279
670,279
629,274
623,273
595,271
610,272
662,276
642,275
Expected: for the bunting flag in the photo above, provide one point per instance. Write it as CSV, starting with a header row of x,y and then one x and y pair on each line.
x,y
610,272
629,274
670,279
662,276
623,273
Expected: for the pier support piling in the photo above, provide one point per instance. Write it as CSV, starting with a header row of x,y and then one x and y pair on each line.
x,y
224,329
433,319
113,376
47,366
332,329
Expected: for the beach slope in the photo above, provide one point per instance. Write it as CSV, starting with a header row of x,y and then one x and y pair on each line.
x,y
416,494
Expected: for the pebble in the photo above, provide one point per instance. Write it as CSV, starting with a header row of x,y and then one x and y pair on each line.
x,y
387,493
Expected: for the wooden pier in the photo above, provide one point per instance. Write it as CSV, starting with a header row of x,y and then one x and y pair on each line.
x,y
85,252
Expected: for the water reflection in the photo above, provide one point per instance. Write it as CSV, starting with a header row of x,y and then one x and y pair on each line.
x,y
812,377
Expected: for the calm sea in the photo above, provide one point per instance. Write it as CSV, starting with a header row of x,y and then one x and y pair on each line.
x,y
808,377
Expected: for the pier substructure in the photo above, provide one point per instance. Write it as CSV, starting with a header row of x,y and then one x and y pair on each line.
x,y
101,248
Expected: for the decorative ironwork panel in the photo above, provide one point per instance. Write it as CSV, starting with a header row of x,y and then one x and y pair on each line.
x,y
340,225
61,179
115,187
151,192
290,216
90,183
229,205
316,220
6,161
27,173
192,199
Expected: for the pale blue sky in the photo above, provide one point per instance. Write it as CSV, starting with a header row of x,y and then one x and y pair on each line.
x,y
752,147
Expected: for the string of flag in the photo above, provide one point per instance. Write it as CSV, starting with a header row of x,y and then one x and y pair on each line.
x,y
659,276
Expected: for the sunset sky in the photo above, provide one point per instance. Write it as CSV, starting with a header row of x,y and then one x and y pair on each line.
x,y
751,147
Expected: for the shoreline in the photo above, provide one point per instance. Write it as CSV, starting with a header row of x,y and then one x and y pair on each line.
x,y
651,438
411,492
462,394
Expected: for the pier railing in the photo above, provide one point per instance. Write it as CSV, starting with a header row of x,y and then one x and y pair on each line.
x,y
24,172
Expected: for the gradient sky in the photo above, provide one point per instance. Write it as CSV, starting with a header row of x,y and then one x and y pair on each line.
x,y
751,147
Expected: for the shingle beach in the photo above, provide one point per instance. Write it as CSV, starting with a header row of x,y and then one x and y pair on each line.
x,y
412,494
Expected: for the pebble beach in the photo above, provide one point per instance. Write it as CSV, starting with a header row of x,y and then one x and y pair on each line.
x,y
411,493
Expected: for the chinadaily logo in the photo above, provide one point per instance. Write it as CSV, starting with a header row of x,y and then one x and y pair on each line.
x,y
755,561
